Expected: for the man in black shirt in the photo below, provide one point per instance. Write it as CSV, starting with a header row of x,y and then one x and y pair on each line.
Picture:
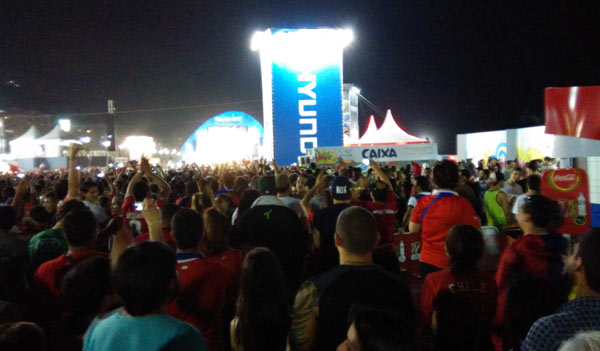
x,y
271,224
323,302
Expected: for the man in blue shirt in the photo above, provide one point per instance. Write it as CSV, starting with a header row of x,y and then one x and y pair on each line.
x,y
581,314
146,282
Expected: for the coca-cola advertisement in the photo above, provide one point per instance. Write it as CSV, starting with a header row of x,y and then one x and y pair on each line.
x,y
570,188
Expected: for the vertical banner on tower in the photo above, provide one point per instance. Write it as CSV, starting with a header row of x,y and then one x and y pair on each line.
x,y
302,90
570,188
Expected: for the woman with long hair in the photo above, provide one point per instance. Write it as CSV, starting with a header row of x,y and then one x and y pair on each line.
x,y
262,319
216,243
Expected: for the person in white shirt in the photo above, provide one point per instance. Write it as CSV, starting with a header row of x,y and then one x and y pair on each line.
x,y
421,187
533,188
511,187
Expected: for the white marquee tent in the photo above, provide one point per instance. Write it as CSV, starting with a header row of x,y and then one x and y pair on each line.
x,y
24,146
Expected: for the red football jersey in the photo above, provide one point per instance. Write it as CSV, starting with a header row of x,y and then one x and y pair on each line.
x,y
441,216
48,272
203,290
134,220
385,216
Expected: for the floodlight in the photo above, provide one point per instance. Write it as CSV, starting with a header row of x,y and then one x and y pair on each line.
x,y
257,40
347,36
65,124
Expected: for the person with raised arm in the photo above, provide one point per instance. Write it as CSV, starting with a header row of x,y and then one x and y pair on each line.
x,y
137,191
383,206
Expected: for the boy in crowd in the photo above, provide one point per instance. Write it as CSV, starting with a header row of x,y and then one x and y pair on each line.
x,y
146,282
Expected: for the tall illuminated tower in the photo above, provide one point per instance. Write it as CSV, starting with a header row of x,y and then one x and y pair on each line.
x,y
302,89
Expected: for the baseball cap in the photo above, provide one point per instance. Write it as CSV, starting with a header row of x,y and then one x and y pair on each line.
x,y
266,185
340,188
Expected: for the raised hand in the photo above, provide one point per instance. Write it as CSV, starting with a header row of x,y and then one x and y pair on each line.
x,y
151,212
145,166
74,150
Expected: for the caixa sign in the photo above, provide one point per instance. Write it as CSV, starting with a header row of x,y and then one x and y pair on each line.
x,y
376,153
381,153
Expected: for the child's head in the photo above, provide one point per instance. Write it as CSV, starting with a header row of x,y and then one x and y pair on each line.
x,y
145,278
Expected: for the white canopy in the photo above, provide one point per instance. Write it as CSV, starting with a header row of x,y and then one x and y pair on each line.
x,y
49,144
370,135
55,134
23,146
388,133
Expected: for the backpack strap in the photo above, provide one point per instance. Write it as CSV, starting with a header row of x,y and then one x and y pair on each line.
x,y
438,197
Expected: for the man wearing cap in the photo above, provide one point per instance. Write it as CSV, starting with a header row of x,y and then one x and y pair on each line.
x,y
271,224
497,203
267,189
324,220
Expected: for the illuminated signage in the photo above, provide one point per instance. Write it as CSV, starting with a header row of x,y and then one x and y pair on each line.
x,y
302,90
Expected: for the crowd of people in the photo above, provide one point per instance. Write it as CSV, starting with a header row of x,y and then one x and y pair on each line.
x,y
253,256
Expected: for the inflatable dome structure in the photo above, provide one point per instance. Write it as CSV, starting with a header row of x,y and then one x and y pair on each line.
x,y
231,135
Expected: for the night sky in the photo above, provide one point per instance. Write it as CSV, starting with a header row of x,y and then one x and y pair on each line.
x,y
442,67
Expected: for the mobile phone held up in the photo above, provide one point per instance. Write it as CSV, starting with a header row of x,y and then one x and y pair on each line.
x,y
139,206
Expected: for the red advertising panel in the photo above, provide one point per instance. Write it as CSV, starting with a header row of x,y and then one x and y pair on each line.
x,y
570,188
573,111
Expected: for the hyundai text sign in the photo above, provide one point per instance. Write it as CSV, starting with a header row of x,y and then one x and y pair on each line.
x,y
302,90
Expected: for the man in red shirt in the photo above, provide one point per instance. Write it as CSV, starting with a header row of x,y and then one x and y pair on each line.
x,y
435,214
384,207
203,284
80,229
137,191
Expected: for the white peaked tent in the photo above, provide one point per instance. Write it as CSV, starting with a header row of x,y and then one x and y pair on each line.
x,y
49,144
388,134
24,146
370,136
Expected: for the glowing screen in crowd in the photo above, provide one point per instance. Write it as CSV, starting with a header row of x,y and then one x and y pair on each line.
x,y
232,135
302,89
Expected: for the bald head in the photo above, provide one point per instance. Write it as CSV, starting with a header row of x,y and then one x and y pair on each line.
x,y
357,231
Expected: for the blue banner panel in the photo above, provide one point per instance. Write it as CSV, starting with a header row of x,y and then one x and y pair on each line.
x,y
307,110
